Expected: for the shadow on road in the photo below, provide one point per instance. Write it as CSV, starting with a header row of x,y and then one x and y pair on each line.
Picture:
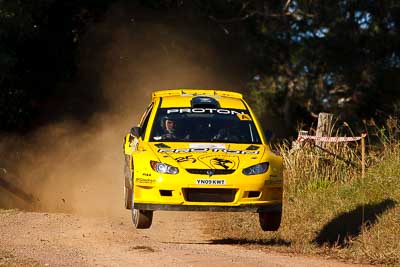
x,y
242,241
17,191
348,225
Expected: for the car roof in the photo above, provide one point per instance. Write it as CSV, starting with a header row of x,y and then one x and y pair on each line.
x,y
183,97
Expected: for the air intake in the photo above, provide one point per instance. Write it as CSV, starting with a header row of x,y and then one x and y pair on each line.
x,y
209,194
204,102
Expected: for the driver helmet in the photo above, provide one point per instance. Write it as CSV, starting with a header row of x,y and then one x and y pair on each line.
x,y
169,124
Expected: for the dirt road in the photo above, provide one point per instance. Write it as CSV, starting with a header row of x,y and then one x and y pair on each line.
x,y
95,230
175,239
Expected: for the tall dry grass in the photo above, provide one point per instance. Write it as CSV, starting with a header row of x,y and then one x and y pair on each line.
x,y
307,164
329,208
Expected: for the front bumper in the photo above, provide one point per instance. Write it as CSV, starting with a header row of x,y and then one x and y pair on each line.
x,y
240,208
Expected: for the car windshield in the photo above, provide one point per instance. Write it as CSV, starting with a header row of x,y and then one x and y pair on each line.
x,y
204,125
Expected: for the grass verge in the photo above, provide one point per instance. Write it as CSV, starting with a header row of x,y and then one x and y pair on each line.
x,y
333,211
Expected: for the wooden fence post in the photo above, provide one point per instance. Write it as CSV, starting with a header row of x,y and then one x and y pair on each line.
x,y
362,156
324,127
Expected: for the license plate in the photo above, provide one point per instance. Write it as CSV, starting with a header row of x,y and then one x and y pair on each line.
x,y
211,181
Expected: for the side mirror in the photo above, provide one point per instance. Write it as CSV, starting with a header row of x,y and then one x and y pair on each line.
x,y
268,135
136,131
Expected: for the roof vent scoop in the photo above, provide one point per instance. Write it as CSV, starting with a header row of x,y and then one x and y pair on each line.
x,y
204,102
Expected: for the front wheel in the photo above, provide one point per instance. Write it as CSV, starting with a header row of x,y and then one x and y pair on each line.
x,y
142,219
270,221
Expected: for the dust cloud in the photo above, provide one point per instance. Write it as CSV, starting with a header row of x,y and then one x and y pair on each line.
x,y
76,166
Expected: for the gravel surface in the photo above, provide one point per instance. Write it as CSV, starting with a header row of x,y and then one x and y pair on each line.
x,y
175,239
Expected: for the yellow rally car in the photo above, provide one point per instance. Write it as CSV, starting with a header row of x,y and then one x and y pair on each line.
x,y
201,150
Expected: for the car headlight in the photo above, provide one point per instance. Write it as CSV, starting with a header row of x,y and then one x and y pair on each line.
x,y
256,169
163,168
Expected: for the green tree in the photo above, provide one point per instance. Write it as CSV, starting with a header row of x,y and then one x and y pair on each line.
x,y
313,56
38,46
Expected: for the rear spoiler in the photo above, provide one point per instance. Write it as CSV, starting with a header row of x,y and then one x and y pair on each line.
x,y
195,92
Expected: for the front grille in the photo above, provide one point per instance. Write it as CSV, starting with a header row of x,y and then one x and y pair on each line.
x,y
204,171
209,195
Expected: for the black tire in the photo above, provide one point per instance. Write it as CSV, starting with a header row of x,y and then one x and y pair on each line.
x,y
142,219
270,221
128,198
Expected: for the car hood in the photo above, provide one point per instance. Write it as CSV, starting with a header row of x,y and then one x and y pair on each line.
x,y
208,155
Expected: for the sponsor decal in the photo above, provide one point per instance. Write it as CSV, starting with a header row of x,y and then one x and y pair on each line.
x,y
204,110
195,150
224,163
210,181
145,180
183,150
187,158
244,117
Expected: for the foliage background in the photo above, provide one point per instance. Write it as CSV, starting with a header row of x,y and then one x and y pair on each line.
x,y
299,57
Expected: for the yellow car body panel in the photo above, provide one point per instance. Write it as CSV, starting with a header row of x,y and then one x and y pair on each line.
x,y
210,174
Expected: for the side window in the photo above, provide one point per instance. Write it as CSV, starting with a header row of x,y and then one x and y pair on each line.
x,y
145,120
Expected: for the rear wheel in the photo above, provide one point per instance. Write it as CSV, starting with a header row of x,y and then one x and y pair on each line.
x,y
270,221
142,219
